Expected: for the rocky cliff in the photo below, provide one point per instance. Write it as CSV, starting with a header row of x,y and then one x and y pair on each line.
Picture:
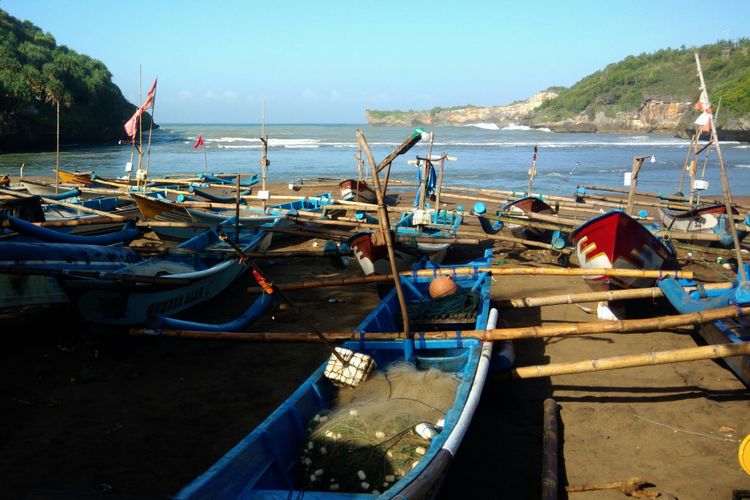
x,y
654,115
515,113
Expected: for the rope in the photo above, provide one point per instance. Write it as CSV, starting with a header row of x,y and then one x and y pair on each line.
x,y
462,302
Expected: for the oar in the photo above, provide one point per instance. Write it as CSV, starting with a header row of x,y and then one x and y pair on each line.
x,y
565,330
495,271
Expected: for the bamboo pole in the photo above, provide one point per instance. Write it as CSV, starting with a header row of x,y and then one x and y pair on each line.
x,y
575,298
633,360
495,271
660,323
385,227
724,180
532,171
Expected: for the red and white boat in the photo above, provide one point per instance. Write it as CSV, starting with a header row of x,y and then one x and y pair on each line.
x,y
616,240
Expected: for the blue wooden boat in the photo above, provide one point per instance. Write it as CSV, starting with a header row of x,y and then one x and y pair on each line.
x,y
138,293
55,218
725,331
266,463
27,282
32,232
155,208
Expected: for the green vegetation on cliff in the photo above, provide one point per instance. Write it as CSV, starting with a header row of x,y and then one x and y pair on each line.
x,y
668,74
36,74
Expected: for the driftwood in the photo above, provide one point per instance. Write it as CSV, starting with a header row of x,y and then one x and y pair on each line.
x,y
632,487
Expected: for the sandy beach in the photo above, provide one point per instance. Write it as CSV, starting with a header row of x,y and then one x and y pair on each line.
x,y
139,417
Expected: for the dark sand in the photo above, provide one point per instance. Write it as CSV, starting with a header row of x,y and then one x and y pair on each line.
x,y
130,417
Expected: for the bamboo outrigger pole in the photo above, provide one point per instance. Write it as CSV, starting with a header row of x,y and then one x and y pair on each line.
x,y
495,271
660,323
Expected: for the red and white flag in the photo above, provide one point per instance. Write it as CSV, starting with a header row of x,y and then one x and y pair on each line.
x,y
132,124
199,142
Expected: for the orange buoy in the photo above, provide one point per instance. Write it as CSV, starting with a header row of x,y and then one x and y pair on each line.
x,y
443,286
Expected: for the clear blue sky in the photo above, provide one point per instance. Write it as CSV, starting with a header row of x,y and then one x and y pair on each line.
x,y
327,61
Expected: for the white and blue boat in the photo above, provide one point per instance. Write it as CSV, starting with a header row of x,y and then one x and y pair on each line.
x,y
266,463
139,293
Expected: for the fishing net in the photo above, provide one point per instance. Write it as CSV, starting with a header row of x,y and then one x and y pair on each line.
x,y
377,432
461,304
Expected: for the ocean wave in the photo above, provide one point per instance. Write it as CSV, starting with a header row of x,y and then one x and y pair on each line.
x,y
485,126
232,139
742,165
513,126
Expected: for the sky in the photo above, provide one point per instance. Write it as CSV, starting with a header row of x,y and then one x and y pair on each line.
x,y
328,61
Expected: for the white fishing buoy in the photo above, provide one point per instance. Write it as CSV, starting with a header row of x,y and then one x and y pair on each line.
x,y
426,430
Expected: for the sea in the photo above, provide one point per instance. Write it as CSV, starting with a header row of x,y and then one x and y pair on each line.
x,y
483,155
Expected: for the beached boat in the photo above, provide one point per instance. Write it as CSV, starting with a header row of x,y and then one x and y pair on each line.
x,y
271,461
520,208
711,219
81,219
85,178
725,331
352,190
27,271
372,254
138,293
616,240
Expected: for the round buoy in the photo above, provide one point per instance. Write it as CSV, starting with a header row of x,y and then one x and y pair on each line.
x,y
744,454
442,286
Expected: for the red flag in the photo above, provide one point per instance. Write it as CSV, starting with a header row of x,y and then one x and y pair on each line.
x,y
131,125
199,142
150,96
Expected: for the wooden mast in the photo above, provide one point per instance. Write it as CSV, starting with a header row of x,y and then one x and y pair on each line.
x,y
724,178
532,171
385,227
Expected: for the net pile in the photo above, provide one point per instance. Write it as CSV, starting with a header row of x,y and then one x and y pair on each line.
x,y
377,432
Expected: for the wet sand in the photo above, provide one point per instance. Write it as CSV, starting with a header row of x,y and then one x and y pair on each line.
x,y
129,417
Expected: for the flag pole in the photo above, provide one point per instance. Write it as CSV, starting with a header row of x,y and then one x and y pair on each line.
x,y
140,129
264,158
150,128
205,158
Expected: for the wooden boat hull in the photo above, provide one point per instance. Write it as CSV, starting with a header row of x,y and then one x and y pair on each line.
x,y
352,190
372,253
79,178
265,464
616,240
529,204
25,292
726,331
113,302
729,332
